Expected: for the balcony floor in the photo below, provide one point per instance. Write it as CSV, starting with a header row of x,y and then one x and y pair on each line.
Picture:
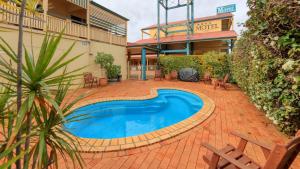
x,y
234,112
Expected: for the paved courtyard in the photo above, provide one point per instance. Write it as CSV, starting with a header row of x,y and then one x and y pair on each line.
x,y
233,112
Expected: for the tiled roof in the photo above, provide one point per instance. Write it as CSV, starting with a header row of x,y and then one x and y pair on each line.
x,y
218,16
181,38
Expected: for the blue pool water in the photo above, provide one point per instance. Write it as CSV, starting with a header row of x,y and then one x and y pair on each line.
x,y
117,119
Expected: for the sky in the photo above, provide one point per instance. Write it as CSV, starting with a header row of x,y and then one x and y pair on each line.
x,y
143,13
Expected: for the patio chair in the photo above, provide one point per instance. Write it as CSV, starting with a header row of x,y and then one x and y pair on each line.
x,y
158,75
89,79
222,82
277,157
207,78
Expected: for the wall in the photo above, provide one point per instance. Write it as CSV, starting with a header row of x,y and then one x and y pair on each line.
x,y
10,34
199,27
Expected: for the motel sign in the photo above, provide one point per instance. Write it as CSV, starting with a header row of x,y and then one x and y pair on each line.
x,y
226,9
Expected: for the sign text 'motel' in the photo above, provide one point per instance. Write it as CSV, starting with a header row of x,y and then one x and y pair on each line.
x,y
226,9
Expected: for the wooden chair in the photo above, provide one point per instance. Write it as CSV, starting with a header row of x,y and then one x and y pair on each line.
x,y
158,74
277,157
89,80
207,78
222,82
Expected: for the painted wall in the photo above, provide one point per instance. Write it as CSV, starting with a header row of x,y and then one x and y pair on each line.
x,y
89,51
199,27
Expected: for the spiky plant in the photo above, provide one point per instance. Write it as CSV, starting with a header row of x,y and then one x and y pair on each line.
x,y
41,116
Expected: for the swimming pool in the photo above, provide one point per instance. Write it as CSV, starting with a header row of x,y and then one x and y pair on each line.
x,y
126,118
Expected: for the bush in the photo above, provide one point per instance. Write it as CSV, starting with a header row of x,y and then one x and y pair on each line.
x,y
214,62
106,61
265,61
113,71
170,63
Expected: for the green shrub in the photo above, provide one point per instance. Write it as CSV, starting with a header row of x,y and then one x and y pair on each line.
x,y
214,62
113,71
106,61
170,63
265,61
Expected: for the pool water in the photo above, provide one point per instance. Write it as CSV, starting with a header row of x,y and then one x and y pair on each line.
x,y
118,119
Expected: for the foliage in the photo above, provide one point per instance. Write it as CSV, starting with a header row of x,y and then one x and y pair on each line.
x,y
42,115
214,62
106,61
170,63
265,61
113,71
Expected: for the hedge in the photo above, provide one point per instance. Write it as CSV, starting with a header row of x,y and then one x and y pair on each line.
x,y
266,61
215,63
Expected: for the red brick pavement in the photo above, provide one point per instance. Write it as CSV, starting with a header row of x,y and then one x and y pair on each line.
x,y
234,112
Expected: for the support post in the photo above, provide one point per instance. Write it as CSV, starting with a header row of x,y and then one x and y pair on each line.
x,y
45,7
158,27
193,16
143,68
166,33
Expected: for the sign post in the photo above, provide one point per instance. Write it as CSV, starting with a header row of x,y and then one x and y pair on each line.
x,y
226,9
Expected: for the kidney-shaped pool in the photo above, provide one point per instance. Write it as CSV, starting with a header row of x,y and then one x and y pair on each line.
x,y
125,118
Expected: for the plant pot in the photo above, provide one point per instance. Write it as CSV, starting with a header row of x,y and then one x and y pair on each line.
x,y
113,80
103,81
119,78
174,74
168,76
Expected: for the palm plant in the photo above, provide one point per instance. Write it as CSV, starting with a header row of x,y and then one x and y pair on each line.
x,y
41,116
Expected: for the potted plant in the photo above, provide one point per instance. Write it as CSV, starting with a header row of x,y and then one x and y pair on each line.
x,y
174,74
168,69
114,73
105,61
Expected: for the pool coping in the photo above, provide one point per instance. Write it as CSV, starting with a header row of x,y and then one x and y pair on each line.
x,y
88,145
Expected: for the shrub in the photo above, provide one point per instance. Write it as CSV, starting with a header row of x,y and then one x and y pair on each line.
x,y
265,61
113,71
106,61
214,62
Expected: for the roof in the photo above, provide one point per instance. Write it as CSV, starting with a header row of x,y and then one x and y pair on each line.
x,y
108,10
207,18
182,38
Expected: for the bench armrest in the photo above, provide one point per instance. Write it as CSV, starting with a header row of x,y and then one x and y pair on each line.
x,y
262,145
226,157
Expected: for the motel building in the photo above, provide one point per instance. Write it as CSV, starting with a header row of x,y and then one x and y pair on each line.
x,y
93,27
211,33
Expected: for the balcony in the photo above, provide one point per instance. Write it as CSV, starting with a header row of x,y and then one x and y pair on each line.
x,y
9,14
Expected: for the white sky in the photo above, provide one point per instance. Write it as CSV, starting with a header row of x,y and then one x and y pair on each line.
x,y
142,13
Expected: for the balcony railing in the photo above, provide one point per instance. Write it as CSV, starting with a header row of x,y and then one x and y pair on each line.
x,y
9,14
105,36
81,3
56,25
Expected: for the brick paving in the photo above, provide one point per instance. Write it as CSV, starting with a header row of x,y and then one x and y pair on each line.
x,y
233,112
